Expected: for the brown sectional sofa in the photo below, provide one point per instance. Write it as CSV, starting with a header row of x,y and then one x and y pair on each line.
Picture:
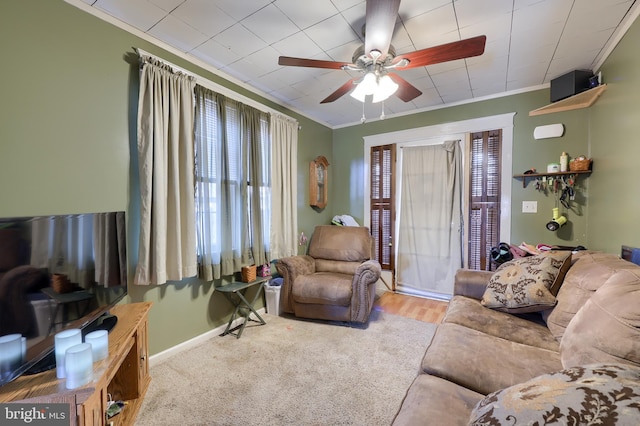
x,y
477,351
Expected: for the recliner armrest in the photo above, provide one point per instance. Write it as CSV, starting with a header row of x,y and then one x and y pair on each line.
x,y
290,268
471,283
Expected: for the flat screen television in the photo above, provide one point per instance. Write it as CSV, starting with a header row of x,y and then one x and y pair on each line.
x,y
56,272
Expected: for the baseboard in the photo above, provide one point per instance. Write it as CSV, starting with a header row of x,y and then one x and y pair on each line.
x,y
191,343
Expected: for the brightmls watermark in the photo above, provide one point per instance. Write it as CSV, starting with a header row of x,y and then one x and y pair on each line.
x,y
34,414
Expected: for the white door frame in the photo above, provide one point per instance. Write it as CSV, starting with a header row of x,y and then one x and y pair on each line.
x,y
446,131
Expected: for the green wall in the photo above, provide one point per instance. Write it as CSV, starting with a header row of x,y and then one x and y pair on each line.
x,y
67,140
67,145
527,153
614,193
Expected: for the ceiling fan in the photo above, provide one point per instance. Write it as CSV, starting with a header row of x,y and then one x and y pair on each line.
x,y
377,59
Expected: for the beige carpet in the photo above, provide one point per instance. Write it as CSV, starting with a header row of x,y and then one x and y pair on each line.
x,y
291,372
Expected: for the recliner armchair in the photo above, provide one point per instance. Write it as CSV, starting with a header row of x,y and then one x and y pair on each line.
x,y
335,280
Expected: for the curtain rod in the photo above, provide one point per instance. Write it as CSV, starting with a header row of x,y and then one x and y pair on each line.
x,y
216,87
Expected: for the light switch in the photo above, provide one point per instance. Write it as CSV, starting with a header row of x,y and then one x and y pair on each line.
x,y
529,207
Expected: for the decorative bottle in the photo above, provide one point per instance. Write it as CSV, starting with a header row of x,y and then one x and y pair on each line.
x,y
564,162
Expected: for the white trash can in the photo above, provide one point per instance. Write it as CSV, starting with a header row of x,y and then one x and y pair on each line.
x,y
272,296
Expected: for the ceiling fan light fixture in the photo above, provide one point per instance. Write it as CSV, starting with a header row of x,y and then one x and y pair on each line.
x,y
368,86
386,88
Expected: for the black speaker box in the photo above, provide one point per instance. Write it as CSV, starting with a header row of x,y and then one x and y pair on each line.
x,y
570,84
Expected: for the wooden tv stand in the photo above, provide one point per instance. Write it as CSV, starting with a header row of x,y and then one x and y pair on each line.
x,y
124,375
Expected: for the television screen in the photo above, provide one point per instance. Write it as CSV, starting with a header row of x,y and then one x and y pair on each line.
x,y
56,272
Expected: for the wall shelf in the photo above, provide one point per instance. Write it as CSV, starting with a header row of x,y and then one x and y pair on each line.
x,y
581,100
525,176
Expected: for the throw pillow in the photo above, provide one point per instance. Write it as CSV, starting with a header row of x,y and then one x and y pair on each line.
x,y
528,284
597,394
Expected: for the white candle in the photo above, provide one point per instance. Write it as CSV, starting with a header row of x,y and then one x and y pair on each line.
x,y
78,365
63,341
10,355
99,341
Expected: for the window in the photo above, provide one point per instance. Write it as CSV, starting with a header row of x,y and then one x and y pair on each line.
x,y
484,197
233,195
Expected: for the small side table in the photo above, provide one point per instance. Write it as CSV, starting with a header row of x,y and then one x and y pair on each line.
x,y
64,300
234,292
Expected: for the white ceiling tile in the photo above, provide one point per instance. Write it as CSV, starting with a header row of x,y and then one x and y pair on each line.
x,y
455,94
535,18
214,53
306,13
345,52
331,33
489,89
240,40
570,45
429,97
594,17
138,13
401,40
176,33
347,4
241,9
204,16
270,24
265,59
446,67
355,16
297,45
412,8
429,29
167,5
454,78
474,12
529,42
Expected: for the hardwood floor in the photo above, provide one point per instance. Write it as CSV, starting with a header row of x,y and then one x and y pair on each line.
x,y
418,308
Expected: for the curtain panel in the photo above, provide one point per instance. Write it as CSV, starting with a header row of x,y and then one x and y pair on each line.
x,y
233,184
429,231
284,186
167,249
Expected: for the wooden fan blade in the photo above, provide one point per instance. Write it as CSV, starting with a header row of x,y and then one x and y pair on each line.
x,y
444,53
311,63
343,90
379,23
406,91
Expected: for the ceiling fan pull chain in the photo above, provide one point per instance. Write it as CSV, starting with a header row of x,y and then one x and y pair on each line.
x,y
382,116
363,119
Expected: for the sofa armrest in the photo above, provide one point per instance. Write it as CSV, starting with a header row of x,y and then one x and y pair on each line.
x,y
471,283
290,268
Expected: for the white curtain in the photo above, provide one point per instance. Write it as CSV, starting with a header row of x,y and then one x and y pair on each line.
x,y
284,184
167,248
429,237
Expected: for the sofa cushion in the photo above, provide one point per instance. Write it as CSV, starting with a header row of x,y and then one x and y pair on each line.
x,y
432,398
470,313
607,328
594,394
324,288
528,284
484,363
589,271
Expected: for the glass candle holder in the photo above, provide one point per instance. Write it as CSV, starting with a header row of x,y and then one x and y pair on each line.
x,y
78,365
10,355
63,341
99,341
